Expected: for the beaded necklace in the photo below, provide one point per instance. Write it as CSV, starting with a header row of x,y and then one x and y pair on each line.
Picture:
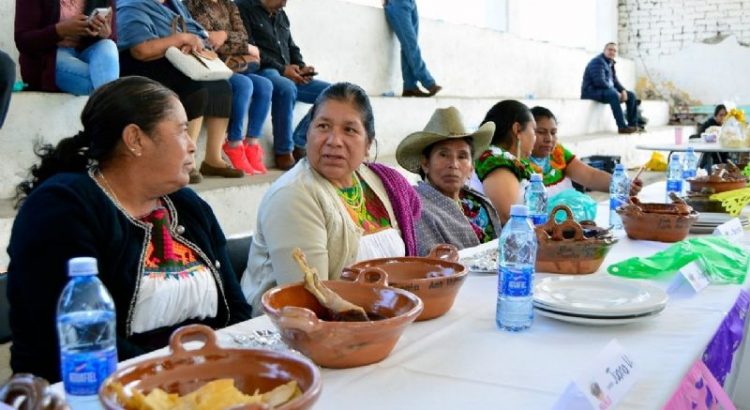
x,y
354,199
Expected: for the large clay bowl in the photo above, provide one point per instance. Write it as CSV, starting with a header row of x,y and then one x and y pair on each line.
x,y
698,185
184,371
436,279
654,226
301,320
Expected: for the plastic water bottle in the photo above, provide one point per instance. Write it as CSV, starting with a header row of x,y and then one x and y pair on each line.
x,y
86,331
674,177
536,200
516,260
689,167
619,190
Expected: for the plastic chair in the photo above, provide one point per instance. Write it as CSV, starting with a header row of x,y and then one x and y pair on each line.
x,y
238,248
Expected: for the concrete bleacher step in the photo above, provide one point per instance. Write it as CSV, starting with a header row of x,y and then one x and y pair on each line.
x,y
50,117
236,201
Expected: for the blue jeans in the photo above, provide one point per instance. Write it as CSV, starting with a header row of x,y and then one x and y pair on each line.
x,y
285,94
404,21
80,73
612,98
251,101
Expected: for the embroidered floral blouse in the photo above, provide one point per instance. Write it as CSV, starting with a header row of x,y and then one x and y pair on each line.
x,y
478,216
553,167
175,285
496,158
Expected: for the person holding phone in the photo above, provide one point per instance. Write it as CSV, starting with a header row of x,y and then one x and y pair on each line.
x,y
268,28
66,45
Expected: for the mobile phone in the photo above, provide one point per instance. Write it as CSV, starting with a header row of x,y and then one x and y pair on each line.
x,y
310,74
100,11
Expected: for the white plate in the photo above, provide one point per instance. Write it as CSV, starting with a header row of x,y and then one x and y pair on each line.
x,y
595,322
598,296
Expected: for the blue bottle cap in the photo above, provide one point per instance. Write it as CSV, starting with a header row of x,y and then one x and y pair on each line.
x,y
519,210
82,266
690,150
536,177
619,167
676,157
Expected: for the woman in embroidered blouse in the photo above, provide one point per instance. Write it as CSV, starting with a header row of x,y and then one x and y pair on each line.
x,y
560,167
443,155
144,33
115,192
504,169
251,94
334,206
62,48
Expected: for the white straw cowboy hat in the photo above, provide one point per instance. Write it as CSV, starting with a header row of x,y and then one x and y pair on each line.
x,y
445,123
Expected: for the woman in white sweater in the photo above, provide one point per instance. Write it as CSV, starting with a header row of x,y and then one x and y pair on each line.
x,y
334,206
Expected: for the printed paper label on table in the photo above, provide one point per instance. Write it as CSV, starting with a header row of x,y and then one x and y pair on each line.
x,y
730,228
611,375
690,280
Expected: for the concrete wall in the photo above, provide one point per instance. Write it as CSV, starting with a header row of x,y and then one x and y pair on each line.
x,y
688,51
355,44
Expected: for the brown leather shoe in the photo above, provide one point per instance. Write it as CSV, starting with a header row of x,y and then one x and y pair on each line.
x,y
434,89
415,93
285,162
627,130
299,153
225,172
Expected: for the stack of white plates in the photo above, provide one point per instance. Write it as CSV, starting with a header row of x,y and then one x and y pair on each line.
x,y
708,221
598,301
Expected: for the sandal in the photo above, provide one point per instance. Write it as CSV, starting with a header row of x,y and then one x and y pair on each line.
x,y
226,172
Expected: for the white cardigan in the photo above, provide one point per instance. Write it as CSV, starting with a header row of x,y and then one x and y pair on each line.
x,y
302,210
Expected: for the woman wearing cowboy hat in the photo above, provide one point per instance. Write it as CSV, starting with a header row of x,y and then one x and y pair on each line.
x,y
443,155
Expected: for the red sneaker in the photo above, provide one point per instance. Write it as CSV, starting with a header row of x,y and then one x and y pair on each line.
x,y
238,159
254,154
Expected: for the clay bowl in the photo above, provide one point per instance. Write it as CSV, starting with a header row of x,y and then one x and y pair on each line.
x,y
701,184
657,222
436,278
302,325
184,371
569,247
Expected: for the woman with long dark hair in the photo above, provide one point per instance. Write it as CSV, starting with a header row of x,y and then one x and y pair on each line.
x,y
115,191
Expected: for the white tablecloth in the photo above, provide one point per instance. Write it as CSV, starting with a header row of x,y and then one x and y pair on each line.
x,y
461,360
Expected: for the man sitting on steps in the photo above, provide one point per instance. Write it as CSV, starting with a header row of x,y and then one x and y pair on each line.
x,y
600,84
281,62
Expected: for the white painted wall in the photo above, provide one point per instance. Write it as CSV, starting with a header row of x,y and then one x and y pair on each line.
x,y
679,49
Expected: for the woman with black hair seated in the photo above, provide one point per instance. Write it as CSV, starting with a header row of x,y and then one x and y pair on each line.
x,y
115,191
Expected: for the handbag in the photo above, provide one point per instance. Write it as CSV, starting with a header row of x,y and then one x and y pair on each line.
x,y
202,65
241,63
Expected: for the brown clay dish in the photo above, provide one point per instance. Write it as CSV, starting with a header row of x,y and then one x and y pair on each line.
x,y
302,323
565,248
436,278
657,222
184,371
724,177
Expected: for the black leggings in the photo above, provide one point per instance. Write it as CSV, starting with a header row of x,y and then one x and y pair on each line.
x,y
200,98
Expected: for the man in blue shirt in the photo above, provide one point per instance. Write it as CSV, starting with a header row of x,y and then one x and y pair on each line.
x,y
600,84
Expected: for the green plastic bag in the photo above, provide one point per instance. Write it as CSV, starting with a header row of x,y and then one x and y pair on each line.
x,y
723,261
582,205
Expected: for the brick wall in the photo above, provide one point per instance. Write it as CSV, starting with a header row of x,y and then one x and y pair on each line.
x,y
658,27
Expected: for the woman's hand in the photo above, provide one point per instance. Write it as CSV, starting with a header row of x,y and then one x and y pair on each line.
x,y
76,26
635,187
101,26
189,42
217,38
253,50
